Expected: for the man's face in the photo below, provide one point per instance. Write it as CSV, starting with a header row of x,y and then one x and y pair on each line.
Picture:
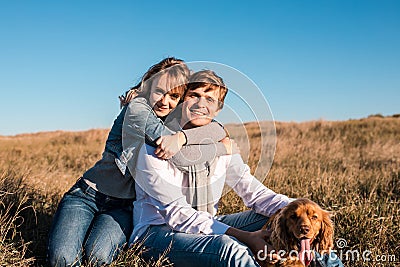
x,y
161,99
200,106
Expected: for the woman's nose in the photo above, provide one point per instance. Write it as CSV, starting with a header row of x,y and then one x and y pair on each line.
x,y
164,100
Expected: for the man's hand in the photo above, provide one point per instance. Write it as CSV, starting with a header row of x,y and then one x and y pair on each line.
x,y
230,146
169,145
257,242
268,253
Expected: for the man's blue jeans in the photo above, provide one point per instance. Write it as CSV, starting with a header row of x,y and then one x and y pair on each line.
x,y
209,250
88,225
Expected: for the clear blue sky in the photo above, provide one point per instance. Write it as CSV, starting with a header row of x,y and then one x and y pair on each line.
x,y
63,63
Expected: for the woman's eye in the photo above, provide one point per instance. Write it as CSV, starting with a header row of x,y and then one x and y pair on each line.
x,y
159,92
175,96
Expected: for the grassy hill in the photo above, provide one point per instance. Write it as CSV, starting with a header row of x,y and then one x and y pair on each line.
x,y
351,168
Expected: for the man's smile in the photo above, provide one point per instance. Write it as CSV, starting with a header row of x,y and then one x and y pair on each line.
x,y
199,113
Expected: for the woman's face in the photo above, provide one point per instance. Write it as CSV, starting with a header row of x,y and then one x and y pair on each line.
x,y
161,99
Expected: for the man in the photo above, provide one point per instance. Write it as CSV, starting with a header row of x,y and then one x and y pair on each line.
x,y
175,208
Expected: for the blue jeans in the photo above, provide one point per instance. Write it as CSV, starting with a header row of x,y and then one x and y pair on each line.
x,y
88,225
197,250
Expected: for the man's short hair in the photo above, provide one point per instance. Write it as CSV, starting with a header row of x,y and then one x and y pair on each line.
x,y
208,79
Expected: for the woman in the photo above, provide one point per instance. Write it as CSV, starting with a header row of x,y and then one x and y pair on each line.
x,y
94,218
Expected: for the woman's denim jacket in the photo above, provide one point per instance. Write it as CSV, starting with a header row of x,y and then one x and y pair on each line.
x,y
134,134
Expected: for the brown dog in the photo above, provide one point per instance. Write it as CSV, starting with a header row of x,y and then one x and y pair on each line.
x,y
300,227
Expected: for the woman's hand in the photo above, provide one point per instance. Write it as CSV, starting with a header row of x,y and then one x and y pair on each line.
x,y
230,146
169,145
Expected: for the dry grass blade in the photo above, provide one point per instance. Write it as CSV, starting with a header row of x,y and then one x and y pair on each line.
x,y
12,246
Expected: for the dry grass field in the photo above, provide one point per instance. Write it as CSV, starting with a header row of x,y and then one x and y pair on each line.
x,y
351,168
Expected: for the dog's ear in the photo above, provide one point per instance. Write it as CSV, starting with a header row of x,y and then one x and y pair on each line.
x,y
279,236
325,234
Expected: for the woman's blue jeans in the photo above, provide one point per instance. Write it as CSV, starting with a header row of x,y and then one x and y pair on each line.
x,y
89,225
197,250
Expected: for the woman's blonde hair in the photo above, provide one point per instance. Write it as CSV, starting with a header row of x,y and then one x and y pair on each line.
x,y
175,68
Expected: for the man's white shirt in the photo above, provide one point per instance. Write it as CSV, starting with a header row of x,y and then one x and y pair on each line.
x,y
161,195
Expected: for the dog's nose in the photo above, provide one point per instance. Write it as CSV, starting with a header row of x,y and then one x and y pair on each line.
x,y
304,229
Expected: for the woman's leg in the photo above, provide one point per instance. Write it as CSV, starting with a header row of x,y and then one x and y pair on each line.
x,y
71,222
108,235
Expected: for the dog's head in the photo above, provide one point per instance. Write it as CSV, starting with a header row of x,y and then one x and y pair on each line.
x,y
300,220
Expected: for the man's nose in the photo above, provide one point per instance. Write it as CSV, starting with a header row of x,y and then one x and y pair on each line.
x,y
201,102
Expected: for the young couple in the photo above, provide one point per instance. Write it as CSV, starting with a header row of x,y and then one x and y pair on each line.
x,y
174,168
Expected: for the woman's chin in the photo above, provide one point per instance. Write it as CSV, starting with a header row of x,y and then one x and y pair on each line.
x,y
162,113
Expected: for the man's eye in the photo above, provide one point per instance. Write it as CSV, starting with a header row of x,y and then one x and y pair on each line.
x,y
210,99
192,94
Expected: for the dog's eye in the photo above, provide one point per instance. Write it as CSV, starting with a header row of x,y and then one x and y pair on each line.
x,y
293,216
314,217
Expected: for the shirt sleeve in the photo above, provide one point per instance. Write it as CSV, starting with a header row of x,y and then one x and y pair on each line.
x,y
163,183
255,195
202,145
207,134
197,154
